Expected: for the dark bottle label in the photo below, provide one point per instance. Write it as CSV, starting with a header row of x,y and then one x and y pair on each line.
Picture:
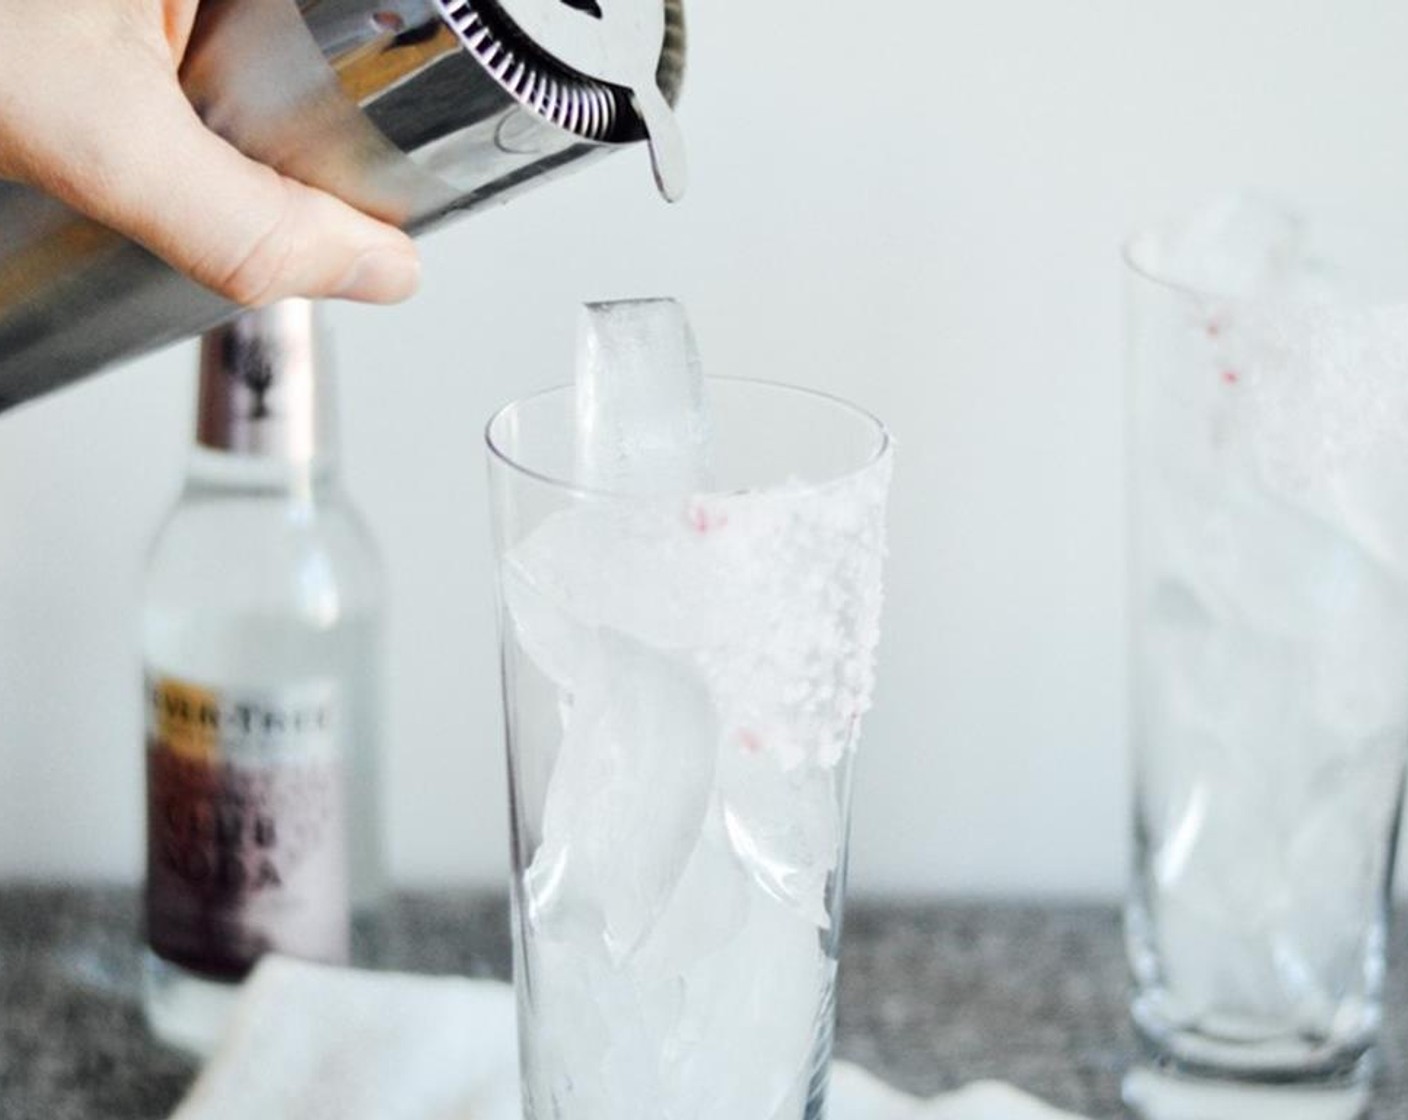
x,y
246,825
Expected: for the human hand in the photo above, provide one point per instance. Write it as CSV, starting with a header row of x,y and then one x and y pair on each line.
x,y
91,111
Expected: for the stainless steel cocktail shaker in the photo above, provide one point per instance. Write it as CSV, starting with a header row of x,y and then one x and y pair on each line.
x,y
412,110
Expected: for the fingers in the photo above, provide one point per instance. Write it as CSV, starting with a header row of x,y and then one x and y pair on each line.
x,y
138,159
254,236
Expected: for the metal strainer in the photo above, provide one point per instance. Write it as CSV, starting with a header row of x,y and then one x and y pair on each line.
x,y
623,44
607,70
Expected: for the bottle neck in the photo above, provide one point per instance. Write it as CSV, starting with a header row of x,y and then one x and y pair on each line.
x,y
265,420
211,472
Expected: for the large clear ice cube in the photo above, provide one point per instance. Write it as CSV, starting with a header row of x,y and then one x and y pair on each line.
x,y
628,795
642,424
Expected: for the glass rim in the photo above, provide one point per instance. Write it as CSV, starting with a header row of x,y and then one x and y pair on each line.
x,y
1161,229
1129,253
1136,245
1129,250
884,442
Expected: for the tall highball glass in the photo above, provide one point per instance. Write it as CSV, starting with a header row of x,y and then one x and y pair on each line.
x,y
1269,440
684,681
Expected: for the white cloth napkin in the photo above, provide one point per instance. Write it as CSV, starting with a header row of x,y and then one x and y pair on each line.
x,y
309,1042
856,1095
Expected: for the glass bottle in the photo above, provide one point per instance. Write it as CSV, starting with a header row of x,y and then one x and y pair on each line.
x,y
262,624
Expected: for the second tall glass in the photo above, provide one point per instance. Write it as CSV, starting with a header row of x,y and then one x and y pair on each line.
x,y
1270,441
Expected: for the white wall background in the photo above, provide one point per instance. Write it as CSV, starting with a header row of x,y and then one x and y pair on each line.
x,y
913,204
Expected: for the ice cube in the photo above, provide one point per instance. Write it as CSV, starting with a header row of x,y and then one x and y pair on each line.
x,y
675,573
1268,813
1266,889
706,911
563,1026
1337,852
714,1017
642,424
1322,399
1268,615
593,1054
751,1018
1219,881
784,825
559,643
627,797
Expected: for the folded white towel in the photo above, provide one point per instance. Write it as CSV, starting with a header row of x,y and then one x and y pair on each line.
x,y
308,1042
856,1095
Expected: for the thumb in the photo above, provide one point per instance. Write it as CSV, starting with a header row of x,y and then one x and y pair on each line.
x,y
150,169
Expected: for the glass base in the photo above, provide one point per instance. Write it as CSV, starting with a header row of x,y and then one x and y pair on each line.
x,y
1250,1051
186,1011
1155,1093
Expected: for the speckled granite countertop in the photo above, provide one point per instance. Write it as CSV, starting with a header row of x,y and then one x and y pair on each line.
x,y
933,995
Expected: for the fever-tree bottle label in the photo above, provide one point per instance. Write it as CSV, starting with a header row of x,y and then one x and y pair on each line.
x,y
245,825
